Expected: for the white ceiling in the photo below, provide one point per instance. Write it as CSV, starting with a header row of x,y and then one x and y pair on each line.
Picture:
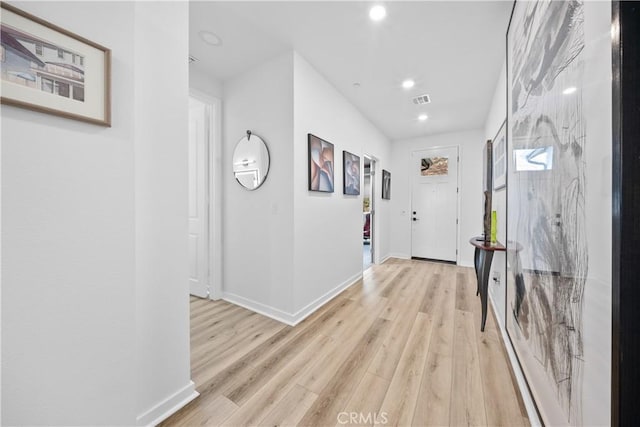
x,y
453,50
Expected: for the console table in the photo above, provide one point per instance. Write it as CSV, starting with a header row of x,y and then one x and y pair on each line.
x,y
482,261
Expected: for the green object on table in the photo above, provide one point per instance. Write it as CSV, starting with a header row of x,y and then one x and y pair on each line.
x,y
494,226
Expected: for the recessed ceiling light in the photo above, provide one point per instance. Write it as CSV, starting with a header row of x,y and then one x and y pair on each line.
x,y
423,117
377,13
210,38
356,85
408,84
569,90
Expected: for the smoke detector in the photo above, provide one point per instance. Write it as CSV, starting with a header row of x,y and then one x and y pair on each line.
x,y
422,99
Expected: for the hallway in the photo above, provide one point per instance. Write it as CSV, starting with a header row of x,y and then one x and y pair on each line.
x,y
402,347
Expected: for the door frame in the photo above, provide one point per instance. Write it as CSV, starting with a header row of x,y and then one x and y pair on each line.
x,y
214,195
437,147
372,208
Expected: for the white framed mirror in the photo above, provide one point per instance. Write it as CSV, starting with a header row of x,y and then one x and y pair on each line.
x,y
251,161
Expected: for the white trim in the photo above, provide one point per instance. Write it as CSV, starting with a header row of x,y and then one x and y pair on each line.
x,y
289,318
529,405
215,191
168,407
306,311
398,256
258,307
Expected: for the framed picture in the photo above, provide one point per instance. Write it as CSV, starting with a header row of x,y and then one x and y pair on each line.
x,y
321,164
386,185
48,69
559,192
351,174
500,159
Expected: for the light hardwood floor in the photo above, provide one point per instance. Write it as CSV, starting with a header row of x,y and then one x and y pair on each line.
x,y
401,347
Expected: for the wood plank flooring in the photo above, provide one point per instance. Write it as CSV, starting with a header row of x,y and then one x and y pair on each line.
x,y
401,347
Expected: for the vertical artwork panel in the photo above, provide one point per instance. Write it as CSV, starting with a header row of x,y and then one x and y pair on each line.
x,y
351,174
559,206
321,164
386,185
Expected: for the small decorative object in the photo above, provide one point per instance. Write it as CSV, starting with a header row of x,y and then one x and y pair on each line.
x,y
251,161
494,227
321,164
500,158
386,185
434,166
351,174
48,69
365,204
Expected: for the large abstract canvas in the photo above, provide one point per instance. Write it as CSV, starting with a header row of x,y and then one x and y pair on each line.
x,y
321,164
558,195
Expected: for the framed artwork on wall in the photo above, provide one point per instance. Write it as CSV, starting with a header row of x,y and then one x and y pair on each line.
x,y
558,303
48,69
500,158
386,185
350,174
321,164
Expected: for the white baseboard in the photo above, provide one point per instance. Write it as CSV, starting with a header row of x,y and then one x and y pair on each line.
x,y
307,310
527,399
258,307
290,319
169,406
398,256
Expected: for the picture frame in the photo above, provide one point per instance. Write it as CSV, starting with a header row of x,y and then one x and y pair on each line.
x,y
386,184
500,158
558,297
48,69
350,174
321,164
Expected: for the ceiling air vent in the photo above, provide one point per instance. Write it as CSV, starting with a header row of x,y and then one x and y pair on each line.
x,y
192,59
422,99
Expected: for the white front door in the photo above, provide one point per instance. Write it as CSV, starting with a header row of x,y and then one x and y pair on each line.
x,y
434,203
198,200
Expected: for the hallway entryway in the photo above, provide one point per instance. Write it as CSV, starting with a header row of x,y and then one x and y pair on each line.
x,y
404,343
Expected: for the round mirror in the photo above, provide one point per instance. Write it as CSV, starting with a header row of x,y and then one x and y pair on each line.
x,y
251,161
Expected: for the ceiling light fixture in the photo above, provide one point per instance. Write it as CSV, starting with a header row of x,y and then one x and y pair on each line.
x,y
408,84
423,117
210,38
377,13
569,90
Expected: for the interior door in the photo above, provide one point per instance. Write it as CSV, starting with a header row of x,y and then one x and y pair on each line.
x,y
198,200
434,203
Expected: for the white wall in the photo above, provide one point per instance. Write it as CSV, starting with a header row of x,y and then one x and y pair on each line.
x,y
470,183
203,82
77,201
258,225
161,130
328,226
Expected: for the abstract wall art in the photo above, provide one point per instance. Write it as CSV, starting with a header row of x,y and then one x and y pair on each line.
x,y
48,69
351,174
321,164
500,159
558,269
386,185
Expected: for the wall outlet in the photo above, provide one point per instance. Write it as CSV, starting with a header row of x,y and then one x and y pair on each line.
x,y
496,277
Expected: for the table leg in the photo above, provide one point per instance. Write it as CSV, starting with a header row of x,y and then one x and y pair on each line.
x,y
476,264
487,257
